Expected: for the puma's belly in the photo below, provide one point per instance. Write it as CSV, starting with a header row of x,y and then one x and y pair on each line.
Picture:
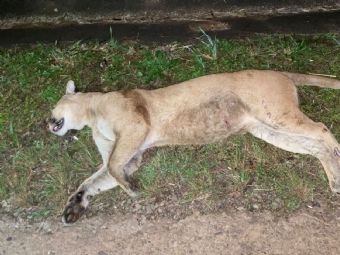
x,y
209,122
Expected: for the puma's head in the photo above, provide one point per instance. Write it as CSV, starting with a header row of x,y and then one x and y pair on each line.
x,y
68,113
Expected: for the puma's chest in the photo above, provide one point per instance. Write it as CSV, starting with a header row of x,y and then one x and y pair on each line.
x,y
106,129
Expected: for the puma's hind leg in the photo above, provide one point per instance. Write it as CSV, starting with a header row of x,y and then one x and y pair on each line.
x,y
297,133
133,164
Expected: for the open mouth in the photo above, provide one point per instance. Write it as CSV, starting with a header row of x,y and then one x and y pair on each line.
x,y
58,125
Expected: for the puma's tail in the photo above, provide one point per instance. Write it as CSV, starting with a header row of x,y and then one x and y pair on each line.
x,y
313,80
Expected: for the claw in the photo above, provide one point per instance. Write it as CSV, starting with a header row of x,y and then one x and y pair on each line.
x,y
69,218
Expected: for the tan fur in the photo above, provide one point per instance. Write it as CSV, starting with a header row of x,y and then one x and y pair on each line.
x,y
199,111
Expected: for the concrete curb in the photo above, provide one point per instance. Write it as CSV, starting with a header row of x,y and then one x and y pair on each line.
x,y
28,13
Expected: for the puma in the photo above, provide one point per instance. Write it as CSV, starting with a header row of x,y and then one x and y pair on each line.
x,y
199,111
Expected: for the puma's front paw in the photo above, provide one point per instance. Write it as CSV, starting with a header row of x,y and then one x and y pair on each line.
x,y
75,207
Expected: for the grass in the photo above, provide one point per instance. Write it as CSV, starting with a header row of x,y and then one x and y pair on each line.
x,y
154,65
39,170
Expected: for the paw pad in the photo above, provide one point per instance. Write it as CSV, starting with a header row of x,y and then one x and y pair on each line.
x,y
74,210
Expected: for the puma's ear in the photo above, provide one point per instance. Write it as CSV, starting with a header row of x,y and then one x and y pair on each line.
x,y
70,88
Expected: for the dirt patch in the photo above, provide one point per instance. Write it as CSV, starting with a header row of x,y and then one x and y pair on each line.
x,y
221,233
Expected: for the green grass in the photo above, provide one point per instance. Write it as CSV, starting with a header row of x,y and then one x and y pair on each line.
x,y
40,170
154,65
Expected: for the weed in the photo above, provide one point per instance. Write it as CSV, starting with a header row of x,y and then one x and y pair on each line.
x,y
210,45
200,69
113,44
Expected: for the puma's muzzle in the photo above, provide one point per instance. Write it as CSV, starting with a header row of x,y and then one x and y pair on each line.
x,y
54,125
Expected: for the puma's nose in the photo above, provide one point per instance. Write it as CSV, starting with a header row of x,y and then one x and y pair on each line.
x,y
52,120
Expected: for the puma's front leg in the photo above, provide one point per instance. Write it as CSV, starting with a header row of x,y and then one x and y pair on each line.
x,y
126,158
98,182
120,159
78,201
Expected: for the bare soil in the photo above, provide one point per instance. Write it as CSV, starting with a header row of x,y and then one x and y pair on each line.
x,y
309,231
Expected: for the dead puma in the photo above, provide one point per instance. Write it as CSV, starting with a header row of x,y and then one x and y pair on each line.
x,y
199,111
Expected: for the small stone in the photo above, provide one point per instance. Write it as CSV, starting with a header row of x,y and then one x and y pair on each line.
x,y
196,212
148,209
240,208
278,200
257,196
172,211
138,206
256,206
9,239
104,227
275,205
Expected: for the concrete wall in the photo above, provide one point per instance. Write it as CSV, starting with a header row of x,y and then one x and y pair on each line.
x,y
25,22
51,7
